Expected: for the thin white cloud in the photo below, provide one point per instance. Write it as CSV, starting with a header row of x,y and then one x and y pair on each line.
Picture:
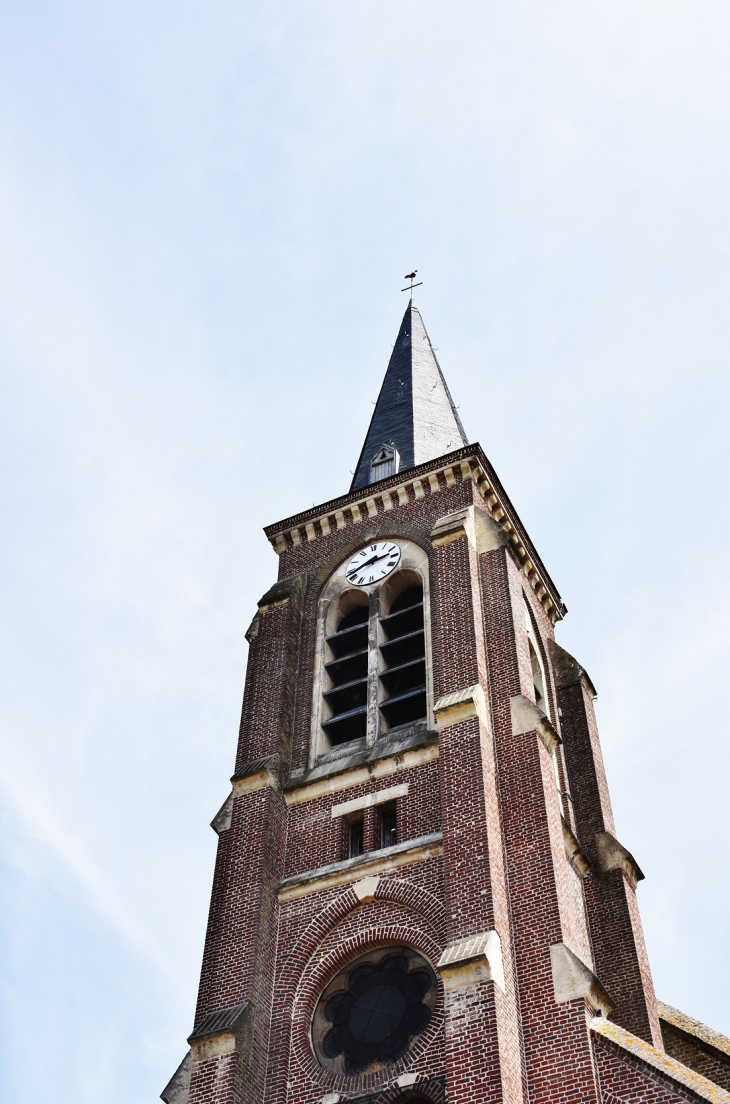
x,y
34,807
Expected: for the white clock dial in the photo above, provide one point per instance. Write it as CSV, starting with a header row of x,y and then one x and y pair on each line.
x,y
373,563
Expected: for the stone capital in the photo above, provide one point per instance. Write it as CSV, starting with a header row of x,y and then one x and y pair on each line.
x,y
256,775
567,671
526,717
482,531
282,592
177,1089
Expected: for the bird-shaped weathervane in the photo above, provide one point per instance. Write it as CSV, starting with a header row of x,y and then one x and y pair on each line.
x,y
411,276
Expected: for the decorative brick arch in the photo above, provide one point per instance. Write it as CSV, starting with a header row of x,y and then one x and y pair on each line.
x,y
312,965
430,1091
313,935
320,970
419,900
396,890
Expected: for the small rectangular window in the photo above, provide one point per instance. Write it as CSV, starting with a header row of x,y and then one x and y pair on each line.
x,y
389,824
357,837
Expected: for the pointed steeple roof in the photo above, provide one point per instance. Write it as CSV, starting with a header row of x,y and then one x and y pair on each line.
x,y
415,413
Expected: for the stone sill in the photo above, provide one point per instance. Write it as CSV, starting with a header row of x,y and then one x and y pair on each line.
x,y
367,865
304,785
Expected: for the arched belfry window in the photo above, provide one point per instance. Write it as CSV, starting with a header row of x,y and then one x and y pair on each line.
x,y
542,701
538,671
403,653
372,669
347,671
384,463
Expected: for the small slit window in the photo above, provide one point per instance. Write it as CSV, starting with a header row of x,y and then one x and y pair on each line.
x,y
388,824
356,831
384,463
537,680
541,701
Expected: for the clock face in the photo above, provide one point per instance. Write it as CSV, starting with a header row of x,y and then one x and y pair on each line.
x,y
373,563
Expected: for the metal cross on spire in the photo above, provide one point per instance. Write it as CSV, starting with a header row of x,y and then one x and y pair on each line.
x,y
411,276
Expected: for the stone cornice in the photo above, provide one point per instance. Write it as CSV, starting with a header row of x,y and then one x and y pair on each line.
x,y
463,464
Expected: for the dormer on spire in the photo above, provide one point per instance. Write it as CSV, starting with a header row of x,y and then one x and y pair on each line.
x,y
415,419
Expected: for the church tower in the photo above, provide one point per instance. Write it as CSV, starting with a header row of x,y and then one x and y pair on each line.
x,y
419,894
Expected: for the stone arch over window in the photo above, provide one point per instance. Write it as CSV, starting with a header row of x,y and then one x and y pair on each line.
x,y
372,661
385,462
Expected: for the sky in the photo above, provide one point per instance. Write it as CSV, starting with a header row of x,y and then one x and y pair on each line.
x,y
206,210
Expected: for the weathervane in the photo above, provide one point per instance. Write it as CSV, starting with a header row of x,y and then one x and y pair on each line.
x,y
411,276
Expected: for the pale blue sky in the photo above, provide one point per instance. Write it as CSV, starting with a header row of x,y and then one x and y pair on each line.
x,y
205,213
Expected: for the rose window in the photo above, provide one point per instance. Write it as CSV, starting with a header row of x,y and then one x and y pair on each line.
x,y
369,1015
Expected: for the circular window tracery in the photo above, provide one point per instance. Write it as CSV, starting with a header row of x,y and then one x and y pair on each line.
x,y
369,1014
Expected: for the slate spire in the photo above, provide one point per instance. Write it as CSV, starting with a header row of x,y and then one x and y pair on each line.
x,y
415,413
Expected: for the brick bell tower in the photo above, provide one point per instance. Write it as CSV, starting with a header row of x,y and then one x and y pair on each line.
x,y
418,893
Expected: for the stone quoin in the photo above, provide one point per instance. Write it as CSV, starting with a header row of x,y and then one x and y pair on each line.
x,y
419,894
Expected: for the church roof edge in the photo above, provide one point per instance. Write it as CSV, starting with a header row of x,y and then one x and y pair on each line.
x,y
485,477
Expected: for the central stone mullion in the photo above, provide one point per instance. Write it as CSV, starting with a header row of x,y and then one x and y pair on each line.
x,y
373,718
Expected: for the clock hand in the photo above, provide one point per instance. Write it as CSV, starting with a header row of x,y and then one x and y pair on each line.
x,y
362,566
372,560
